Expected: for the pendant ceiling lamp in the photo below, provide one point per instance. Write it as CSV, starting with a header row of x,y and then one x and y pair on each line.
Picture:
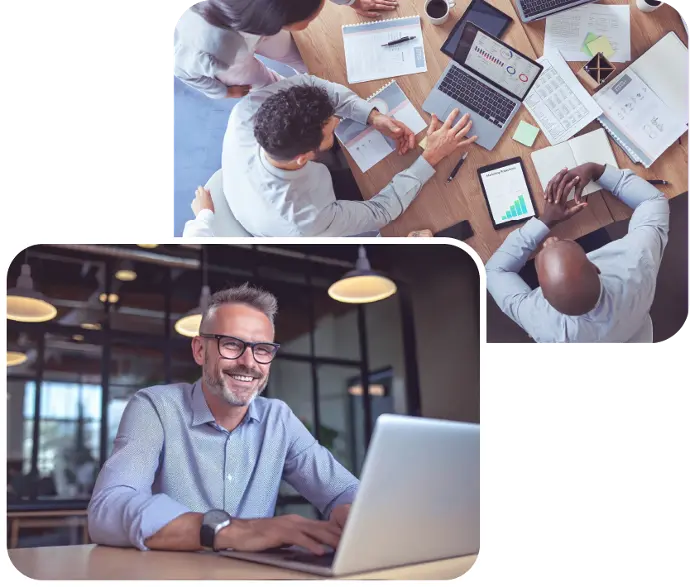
x,y
189,324
15,358
126,272
24,303
362,285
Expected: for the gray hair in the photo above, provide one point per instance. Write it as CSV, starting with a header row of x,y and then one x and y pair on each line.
x,y
245,294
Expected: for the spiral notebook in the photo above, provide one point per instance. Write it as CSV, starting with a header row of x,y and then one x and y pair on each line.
x,y
645,107
367,59
368,146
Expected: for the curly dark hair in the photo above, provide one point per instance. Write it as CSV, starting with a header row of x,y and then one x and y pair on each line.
x,y
290,122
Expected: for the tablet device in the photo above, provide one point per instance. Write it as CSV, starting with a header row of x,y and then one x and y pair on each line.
x,y
507,192
485,16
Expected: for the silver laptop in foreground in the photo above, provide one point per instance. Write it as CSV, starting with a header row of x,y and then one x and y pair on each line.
x,y
418,501
487,79
537,9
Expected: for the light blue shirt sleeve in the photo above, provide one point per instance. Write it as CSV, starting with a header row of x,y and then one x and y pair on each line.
x,y
311,470
343,2
507,288
123,511
649,225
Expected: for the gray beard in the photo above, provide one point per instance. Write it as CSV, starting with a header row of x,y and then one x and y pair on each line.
x,y
217,385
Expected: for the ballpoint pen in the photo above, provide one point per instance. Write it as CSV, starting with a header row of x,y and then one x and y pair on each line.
x,y
659,182
453,173
400,40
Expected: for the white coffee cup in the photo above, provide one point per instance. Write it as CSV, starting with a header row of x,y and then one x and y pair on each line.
x,y
645,6
441,19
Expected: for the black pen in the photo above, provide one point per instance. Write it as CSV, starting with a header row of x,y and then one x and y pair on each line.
x,y
453,173
400,40
659,182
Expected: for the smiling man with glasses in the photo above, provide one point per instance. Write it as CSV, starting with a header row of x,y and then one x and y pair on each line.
x,y
199,465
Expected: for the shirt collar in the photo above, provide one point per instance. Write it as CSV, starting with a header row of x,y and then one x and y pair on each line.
x,y
201,413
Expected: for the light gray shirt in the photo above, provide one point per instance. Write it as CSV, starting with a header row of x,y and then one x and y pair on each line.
x,y
170,457
202,51
628,267
273,202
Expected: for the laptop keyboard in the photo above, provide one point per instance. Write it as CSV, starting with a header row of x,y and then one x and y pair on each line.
x,y
486,102
324,560
532,7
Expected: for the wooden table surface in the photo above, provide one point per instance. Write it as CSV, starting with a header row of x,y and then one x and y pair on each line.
x,y
439,205
101,562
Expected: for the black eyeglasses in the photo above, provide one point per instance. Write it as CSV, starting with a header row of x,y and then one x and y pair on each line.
x,y
230,347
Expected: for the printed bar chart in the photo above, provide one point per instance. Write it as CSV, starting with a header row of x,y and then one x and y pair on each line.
x,y
517,209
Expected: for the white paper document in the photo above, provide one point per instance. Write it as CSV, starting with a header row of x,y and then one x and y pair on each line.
x,y
593,146
568,30
368,146
367,59
640,114
558,102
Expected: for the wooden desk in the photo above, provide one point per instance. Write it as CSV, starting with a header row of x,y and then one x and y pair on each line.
x,y
101,562
46,519
645,30
438,205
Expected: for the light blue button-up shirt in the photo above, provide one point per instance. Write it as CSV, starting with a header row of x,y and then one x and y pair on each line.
x,y
170,458
628,271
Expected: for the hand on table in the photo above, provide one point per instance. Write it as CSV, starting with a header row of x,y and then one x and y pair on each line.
x,y
202,201
394,129
291,530
421,233
237,91
444,139
339,515
586,172
556,209
373,8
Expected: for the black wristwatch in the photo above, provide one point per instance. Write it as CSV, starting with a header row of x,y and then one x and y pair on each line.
x,y
214,521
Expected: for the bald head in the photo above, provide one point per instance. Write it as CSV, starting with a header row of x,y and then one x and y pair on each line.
x,y
568,279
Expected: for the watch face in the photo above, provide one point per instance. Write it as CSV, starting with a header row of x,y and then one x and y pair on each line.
x,y
215,517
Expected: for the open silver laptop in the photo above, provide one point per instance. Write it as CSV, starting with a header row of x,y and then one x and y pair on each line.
x,y
418,501
537,9
487,79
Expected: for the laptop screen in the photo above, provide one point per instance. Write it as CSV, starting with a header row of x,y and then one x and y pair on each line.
x,y
496,62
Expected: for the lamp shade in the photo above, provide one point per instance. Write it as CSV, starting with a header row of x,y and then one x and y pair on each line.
x,y
25,304
189,324
15,358
362,285
126,272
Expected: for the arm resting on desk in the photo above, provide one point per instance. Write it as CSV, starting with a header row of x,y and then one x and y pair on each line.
x,y
313,471
123,511
348,218
649,225
507,288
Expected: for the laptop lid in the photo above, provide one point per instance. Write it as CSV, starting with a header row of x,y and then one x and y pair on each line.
x,y
419,496
495,62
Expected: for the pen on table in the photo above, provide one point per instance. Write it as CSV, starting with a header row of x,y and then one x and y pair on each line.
x,y
400,40
453,173
659,182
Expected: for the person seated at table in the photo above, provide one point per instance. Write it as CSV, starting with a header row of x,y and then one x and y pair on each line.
x,y
603,296
183,450
273,181
216,41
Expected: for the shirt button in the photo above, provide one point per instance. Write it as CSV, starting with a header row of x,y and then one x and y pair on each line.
x,y
229,477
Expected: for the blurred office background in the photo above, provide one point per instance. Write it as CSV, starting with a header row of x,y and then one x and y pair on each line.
x,y
117,311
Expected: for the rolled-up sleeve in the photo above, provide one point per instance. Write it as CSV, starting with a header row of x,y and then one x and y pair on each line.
x,y
313,471
123,511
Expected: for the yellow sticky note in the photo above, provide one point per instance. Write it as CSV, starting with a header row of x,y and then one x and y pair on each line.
x,y
601,45
422,143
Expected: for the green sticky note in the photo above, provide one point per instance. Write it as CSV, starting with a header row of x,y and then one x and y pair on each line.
x,y
526,134
601,45
588,39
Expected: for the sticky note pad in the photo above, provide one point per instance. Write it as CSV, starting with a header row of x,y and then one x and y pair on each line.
x,y
601,45
588,39
422,143
526,134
